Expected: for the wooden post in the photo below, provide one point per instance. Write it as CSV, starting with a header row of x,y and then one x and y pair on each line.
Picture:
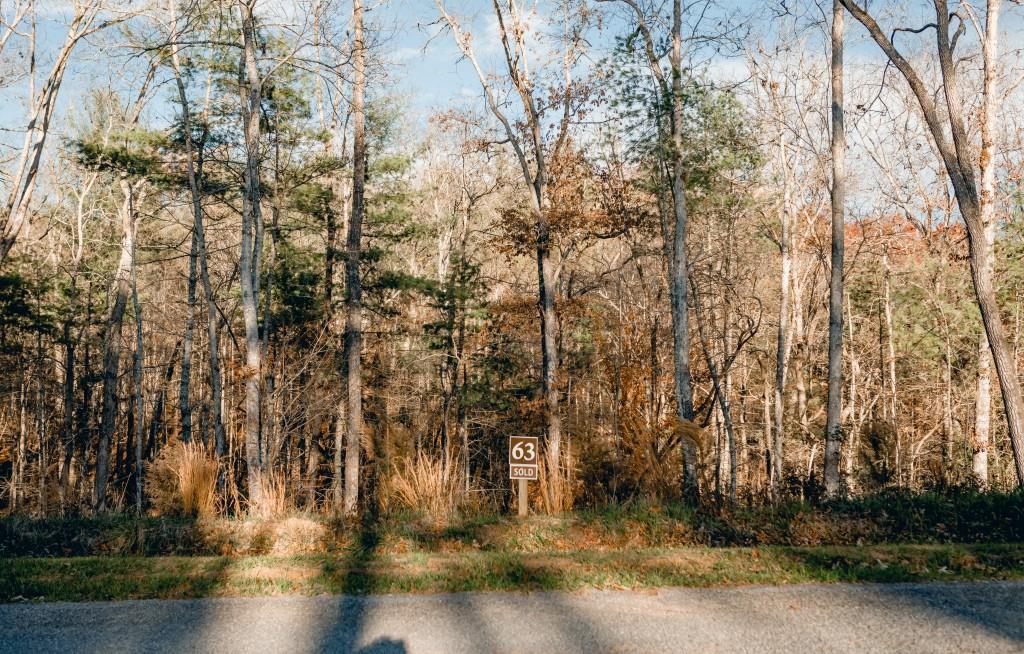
x,y
523,509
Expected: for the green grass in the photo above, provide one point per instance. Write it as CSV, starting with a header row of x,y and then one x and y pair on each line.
x,y
363,569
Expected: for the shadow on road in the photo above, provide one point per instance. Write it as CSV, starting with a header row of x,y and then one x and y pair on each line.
x,y
356,577
894,585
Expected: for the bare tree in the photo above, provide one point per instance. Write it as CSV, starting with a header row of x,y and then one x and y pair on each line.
x,y
781,344
128,217
251,95
85,20
987,167
194,169
678,268
112,338
975,206
137,368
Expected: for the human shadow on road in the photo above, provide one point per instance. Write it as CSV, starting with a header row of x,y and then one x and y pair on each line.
x,y
356,578
513,621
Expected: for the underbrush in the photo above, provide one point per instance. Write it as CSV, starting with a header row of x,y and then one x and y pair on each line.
x,y
953,516
120,535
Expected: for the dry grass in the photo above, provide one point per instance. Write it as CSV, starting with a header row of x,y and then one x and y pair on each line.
x,y
557,492
274,501
956,517
288,536
183,480
428,485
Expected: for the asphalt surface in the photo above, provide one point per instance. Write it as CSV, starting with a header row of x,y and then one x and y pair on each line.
x,y
939,617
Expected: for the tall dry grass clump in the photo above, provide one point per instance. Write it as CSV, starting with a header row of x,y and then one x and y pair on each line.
x,y
274,500
558,492
183,480
433,486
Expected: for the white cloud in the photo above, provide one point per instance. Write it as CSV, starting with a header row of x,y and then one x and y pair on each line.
x,y
404,54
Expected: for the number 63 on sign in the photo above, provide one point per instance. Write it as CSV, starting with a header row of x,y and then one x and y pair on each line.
x,y
522,457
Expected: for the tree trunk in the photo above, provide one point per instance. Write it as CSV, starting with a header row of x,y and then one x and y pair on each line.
x,y
137,369
353,282
272,436
184,401
679,266
781,347
112,346
42,436
890,362
982,424
549,346
83,416
195,176
722,397
156,420
250,88
982,413
852,395
18,471
675,244
947,411
23,181
67,426
726,385
766,434
195,172
834,409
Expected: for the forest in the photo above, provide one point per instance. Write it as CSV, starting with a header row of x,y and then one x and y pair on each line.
x,y
324,257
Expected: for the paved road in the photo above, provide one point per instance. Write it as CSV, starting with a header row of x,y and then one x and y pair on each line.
x,y
956,617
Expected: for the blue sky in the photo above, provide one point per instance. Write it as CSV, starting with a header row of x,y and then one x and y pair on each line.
x,y
424,64
424,68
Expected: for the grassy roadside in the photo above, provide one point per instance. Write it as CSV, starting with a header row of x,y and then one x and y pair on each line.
x,y
929,518
363,569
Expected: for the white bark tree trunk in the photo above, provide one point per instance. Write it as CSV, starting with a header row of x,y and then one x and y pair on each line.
x,y
781,345
250,89
834,408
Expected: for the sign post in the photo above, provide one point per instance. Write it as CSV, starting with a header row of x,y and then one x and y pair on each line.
x,y
523,507
522,465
